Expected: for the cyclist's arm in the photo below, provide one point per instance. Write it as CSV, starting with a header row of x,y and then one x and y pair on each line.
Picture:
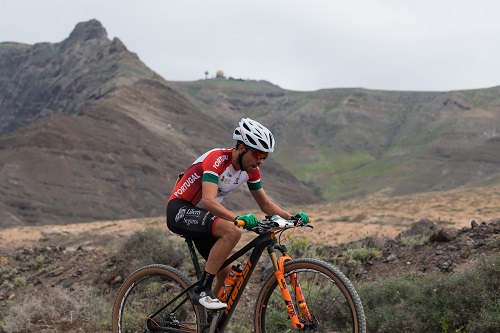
x,y
210,203
267,206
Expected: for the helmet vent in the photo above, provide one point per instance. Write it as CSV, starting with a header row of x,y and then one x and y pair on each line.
x,y
252,141
254,135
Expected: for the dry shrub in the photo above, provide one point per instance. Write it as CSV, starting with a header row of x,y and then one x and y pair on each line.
x,y
60,309
151,246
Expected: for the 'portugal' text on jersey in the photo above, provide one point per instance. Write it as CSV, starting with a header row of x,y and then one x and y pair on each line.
x,y
214,166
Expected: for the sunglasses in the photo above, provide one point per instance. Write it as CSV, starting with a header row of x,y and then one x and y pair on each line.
x,y
259,155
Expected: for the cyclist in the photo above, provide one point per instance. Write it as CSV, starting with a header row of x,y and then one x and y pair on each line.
x,y
194,209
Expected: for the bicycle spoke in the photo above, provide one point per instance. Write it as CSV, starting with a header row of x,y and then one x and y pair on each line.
x,y
151,290
331,309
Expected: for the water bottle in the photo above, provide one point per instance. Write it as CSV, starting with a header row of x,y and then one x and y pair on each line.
x,y
229,282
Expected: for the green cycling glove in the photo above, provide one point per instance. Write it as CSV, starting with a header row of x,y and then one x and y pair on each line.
x,y
303,216
250,221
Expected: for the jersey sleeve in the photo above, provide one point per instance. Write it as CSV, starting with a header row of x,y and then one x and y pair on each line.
x,y
209,177
254,182
213,166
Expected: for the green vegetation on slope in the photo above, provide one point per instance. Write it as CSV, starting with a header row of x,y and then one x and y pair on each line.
x,y
464,301
467,301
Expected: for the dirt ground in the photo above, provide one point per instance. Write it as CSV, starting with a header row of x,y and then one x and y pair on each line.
x,y
333,223
81,256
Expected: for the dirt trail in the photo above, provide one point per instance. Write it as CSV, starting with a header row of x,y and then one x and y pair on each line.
x,y
333,222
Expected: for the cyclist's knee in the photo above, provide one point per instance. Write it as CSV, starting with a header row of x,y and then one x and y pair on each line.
x,y
227,229
234,234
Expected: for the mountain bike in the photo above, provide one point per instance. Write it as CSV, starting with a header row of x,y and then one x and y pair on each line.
x,y
301,295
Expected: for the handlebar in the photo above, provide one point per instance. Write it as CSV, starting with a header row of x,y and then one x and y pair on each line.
x,y
274,221
239,223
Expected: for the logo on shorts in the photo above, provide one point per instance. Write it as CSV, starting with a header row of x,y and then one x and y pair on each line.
x,y
190,221
193,212
203,222
180,214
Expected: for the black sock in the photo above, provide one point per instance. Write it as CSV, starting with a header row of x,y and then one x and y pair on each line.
x,y
205,282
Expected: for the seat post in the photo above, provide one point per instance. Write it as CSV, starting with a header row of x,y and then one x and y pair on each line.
x,y
194,258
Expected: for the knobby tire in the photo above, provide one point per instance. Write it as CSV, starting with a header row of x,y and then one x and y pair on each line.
x,y
330,296
145,291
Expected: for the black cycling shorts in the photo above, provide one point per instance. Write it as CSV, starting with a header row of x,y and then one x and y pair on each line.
x,y
197,223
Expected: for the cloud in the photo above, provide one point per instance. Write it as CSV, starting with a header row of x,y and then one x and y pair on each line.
x,y
298,45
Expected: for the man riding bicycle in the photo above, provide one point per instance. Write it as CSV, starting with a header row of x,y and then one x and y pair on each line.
x,y
194,209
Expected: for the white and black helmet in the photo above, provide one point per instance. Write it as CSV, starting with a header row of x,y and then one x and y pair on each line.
x,y
254,135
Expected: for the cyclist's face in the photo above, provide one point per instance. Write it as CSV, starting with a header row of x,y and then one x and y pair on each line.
x,y
252,159
259,155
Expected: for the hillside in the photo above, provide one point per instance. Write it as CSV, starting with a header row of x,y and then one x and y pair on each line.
x,y
88,132
354,142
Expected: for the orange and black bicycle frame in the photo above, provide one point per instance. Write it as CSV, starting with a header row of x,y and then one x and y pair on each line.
x,y
259,244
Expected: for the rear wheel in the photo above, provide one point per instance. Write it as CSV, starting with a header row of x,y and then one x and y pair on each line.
x,y
333,302
145,292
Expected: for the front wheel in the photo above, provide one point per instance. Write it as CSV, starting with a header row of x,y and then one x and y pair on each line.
x,y
333,303
149,290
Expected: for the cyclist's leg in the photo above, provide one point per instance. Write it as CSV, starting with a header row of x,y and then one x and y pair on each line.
x,y
204,246
214,238
220,279
228,236
188,220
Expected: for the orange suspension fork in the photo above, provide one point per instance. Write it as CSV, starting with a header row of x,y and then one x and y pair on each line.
x,y
304,310
279,272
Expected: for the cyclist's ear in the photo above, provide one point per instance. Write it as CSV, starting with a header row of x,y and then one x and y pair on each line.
x,y
240,144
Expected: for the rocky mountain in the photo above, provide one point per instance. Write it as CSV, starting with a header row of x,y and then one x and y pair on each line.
x,y
352,142
88,133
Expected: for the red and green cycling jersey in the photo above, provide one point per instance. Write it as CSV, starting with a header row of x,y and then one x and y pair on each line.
x,y
214,166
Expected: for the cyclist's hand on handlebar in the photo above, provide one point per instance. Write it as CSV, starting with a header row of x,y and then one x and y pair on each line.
x,y
303,216
250,221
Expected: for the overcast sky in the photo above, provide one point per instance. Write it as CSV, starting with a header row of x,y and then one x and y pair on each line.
x,y
419,45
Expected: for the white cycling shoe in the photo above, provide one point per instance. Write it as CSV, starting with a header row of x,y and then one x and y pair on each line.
x,y
208,300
